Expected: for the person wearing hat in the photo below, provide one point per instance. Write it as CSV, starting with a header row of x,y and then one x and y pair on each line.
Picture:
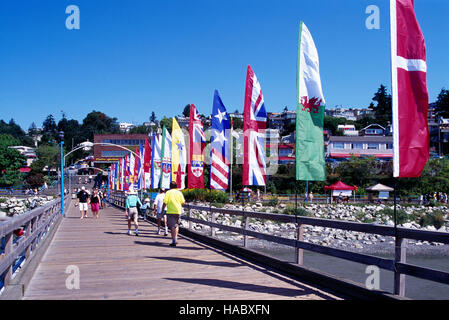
x,y
160,214
146,206
131,211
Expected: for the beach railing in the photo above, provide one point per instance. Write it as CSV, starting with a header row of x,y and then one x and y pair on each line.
x,y
398,265
17,250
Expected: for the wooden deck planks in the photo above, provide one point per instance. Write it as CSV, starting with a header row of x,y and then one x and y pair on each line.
x,y
114,265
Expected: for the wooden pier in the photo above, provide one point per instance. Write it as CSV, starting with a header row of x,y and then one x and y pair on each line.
x,y
114,265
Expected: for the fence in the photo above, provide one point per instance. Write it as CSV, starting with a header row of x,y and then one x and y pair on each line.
x,y
16,250
397,265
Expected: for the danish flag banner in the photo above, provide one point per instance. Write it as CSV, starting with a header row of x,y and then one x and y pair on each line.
x,y
410,99
220,145
197,142
309,154
254,125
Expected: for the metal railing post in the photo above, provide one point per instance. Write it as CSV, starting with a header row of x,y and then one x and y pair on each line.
x,y
299,253
212,219
245,227
400,256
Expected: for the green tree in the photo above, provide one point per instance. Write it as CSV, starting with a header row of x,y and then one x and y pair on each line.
x,y
186,111
382,111
359,172
97,122
11,161
167,122
48,155
153,117
442,103
331,123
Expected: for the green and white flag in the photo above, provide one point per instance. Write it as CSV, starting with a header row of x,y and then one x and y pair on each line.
x,y
310,164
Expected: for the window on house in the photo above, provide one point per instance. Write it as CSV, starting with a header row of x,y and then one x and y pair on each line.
x,y
372,146
357,146
339,145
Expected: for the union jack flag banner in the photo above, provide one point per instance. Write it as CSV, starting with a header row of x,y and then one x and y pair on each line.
x,y
219,153
197,142
410,98
254,125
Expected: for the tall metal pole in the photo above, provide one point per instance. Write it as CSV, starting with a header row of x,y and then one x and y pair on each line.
x,y
61,134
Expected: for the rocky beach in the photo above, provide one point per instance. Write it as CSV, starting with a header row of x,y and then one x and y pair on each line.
x,y
342,239
11,206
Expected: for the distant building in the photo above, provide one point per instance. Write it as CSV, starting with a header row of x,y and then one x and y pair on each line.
x,y
349,113
109,154
286,153
373,130
348,129
183,121
360,146
28,152
125,127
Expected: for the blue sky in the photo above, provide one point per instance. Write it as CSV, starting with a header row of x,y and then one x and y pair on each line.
x,y
133,57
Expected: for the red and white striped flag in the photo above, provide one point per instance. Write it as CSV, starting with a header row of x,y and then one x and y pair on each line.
x,y
410,99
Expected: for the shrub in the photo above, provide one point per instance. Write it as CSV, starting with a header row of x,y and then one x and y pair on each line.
x,y
435,219
401,215
290,210
213,196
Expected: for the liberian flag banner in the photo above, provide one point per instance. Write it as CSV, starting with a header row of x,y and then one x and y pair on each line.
x,y
147,165
166,159
410,98
197,143
254,125
179,155
156,161
220,143
309,153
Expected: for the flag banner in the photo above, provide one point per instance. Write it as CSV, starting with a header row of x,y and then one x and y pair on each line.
x,y
122,174
156,161
138,171
410,98
127,173
309,151
254,125
166,159
197,143
147,165
132,167
179,155
220,144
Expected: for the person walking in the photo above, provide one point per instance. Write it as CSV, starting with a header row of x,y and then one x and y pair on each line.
x,y
95,203
311,197
173,201
131,211
81,200
160,214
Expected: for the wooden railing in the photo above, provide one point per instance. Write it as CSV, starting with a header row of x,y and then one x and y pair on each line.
x,y
397,265
36,225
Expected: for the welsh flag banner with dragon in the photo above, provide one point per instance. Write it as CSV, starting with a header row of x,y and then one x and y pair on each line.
x,y
310,163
